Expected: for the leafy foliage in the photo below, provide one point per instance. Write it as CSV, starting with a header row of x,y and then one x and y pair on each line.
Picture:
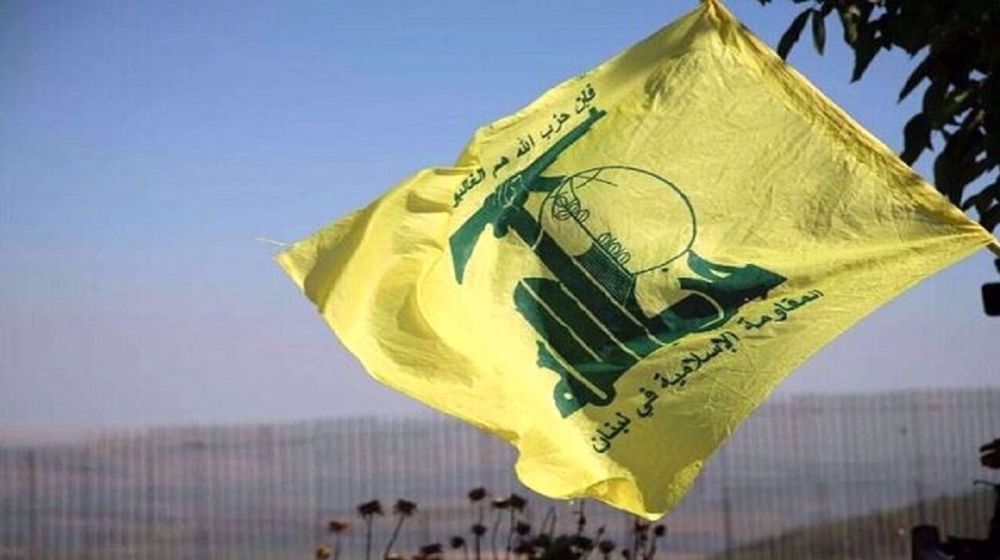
x,y
990,454
957,44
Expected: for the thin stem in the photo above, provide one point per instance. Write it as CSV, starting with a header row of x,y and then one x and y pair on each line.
x,y
597,539
581,519
395,535
368,537
635,539
493,536
479,537
510,535
550,519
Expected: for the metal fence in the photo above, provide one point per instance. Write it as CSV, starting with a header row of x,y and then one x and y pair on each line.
x,y
837,476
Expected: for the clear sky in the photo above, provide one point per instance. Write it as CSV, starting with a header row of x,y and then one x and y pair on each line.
x,y
144,145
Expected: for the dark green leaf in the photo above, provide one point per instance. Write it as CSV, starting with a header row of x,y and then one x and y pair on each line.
x,y
792,34
946,174
933,104
984,200
865,50
975,169
991,218
990,102
969,145
916,138
981,201
908,29
991,88
819,31
992,137
919,73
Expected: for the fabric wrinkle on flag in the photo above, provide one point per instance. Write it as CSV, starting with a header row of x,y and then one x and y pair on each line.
x,y
614,277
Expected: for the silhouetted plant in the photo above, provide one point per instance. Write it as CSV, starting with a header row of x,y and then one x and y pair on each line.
x,y
585,544
524,541
606,547
523,544
659,532
478,498
403,510
542,541
458,542
500,505
337,528
368,511
990,455
517,502
524,548
640,529
430,552
433,548
515,505
548,526
566,547
479,531
581,518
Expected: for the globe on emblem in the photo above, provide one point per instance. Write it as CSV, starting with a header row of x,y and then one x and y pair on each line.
x,y
633,218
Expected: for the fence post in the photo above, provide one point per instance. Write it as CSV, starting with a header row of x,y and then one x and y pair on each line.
x,y
918,456
32,506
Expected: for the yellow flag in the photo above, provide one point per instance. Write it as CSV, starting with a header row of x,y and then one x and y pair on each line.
x,y
615,276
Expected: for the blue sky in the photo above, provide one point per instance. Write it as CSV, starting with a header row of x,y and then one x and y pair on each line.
x,y
143,147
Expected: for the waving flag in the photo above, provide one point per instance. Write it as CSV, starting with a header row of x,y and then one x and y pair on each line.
x,y
617,275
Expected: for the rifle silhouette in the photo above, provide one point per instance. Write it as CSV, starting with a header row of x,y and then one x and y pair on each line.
x,y
500,206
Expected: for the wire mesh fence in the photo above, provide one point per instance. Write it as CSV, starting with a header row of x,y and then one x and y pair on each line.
x,y
835,476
